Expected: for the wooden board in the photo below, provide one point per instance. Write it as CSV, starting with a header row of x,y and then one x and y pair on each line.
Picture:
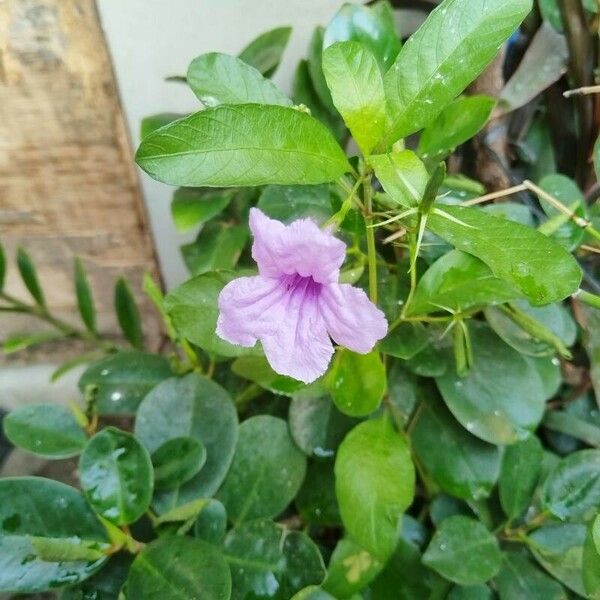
x,y
68,186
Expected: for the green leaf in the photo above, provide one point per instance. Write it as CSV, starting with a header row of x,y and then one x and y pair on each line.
x,y
183,512
266,560
521,465
572,490
104,585
315,70
258,370
264,53
22,341
405,341
374,471
459,281
211,523
372,26
317,426
402,175
116,475
177,461
356,382
217,247
502,398
288,203
470,592
537,266
128,314
2,267
464,551
31,510
312,593
180,568
194,206
154,122
47,430
520,578
120,381
458,462
559,549
247,144
351,568
218,78
191,406
316,501
571,425
591,560
267,462
356,85
29,276
596,158
85,300
454,45
455,125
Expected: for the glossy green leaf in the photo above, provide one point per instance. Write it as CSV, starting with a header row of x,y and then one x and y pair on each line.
x,y
211,523
520,578
572,490
521,465
218,78
182,513
464,551
104,585
85,300
47,430
537,266
315,70
455,125
356,85
128,314
350,569
268,561
288,203
154,122
459,281
559,549
402,175
194,206
29,276
458,462
405,340
247,144
181,568
196,407
402,391
372,26
439,60
373,470
317,426
267,462
591,560
120,381
356,382
257,369
217,247
177,461
470,592
316,501
502,397
264,53
116,475
34,511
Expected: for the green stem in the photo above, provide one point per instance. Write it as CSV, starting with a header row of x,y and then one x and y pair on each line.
x,y
412,245
371,251
588,298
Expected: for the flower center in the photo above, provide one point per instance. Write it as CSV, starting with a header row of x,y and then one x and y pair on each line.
x,y
296,284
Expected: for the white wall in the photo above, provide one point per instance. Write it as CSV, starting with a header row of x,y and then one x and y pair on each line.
x,y
151,39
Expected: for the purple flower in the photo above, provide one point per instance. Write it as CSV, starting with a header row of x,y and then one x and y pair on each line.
x,y
295,303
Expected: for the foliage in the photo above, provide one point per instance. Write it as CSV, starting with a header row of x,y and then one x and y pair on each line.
x,y
459,459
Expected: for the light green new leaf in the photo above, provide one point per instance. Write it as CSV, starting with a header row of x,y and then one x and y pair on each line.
x,y
222,79
536,265
374,471
456,42
246,144
356,86
264,52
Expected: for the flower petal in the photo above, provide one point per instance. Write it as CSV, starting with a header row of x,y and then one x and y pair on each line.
x,y
352,319
244,309
299,248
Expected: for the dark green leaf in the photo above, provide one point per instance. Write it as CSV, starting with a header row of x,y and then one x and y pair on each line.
x,y
128,314
194,206
218,78
316,501
180,568
591,560
2,267
315,69
35,510
247,144
265,52
85,301
47,430
177,461
439,60
267,462
405,340
470,592
464,551
29,276
374,471
122,380
196,407
104,585
211,523
268,561
116,475
288,203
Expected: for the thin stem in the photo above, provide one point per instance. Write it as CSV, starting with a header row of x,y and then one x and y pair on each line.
x,y
412,247
371,251
494,195
582,91
588,298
